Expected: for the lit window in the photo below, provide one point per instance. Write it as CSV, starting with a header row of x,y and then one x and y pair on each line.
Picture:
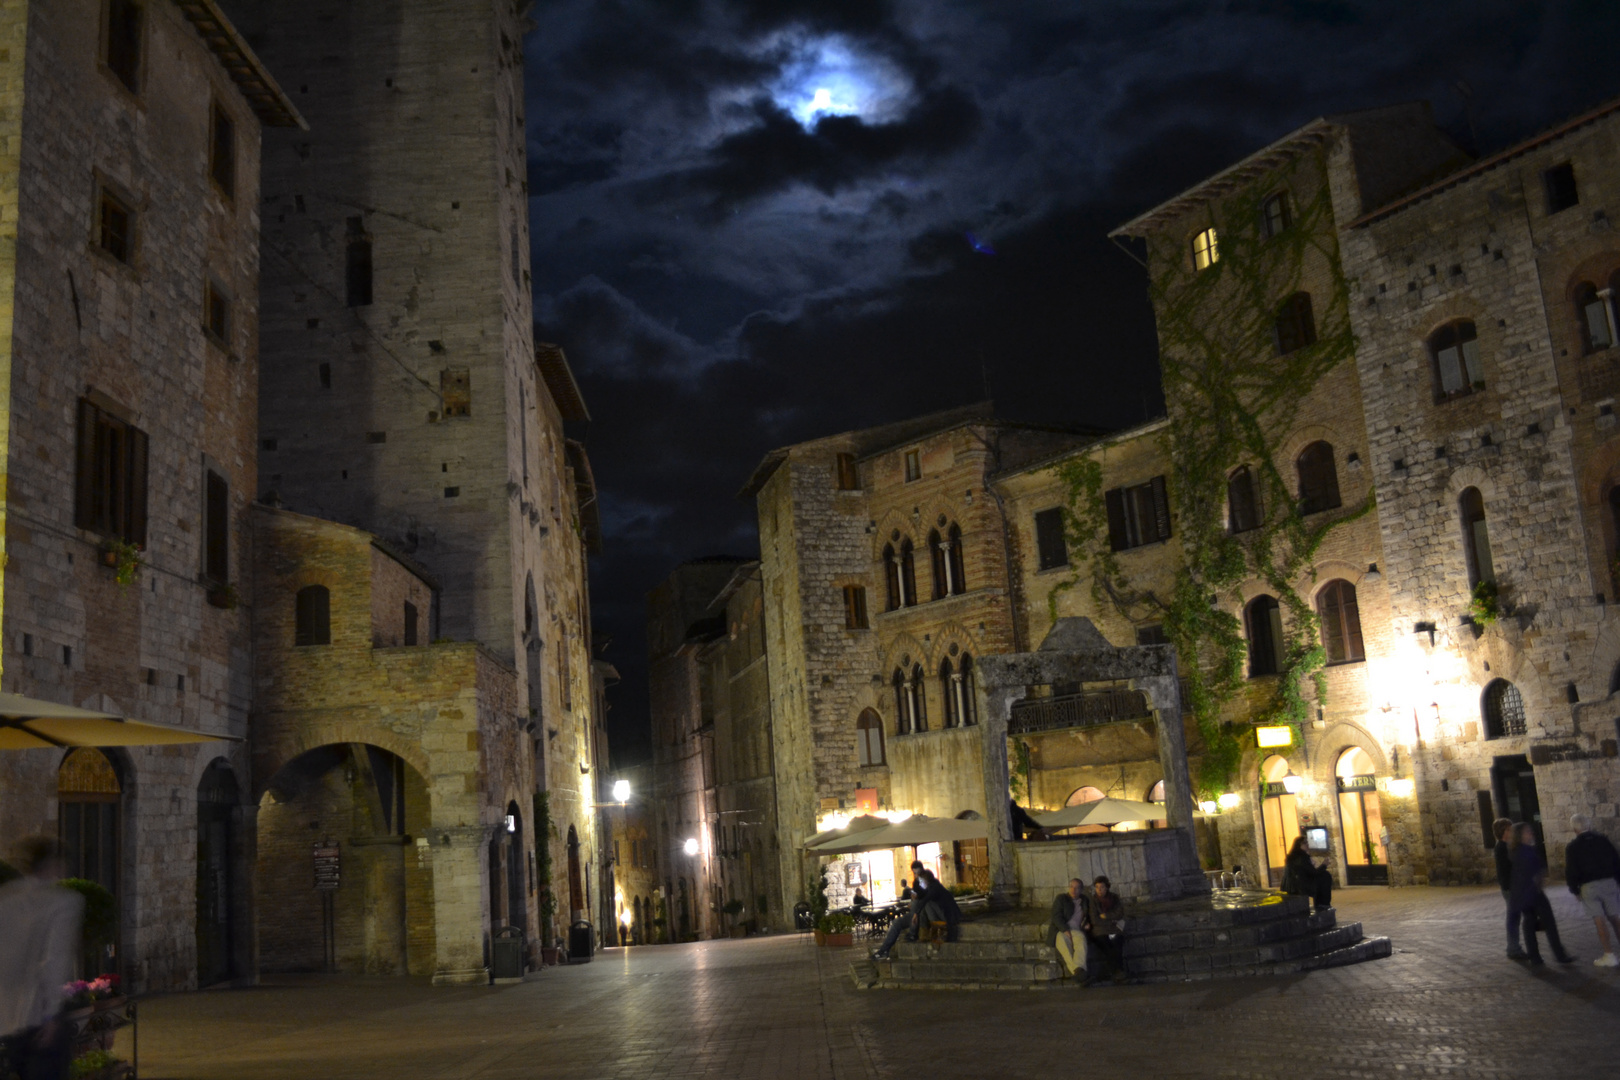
x,y
1204,250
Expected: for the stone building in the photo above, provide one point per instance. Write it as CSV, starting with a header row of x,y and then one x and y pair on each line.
x,y
128,311
637,890
403,396
884,567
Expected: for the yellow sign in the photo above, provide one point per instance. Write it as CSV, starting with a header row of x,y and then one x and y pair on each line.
x,y
1266,737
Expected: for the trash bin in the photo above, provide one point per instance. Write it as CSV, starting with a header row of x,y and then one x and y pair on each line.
x,y
802,920
581,945
507,960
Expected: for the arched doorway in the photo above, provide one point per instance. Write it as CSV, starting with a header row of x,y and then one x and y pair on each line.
x,y
90,802
1361,821
507,905
1279,812
217,799
371,910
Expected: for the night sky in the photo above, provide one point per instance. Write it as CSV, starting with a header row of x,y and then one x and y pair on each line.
x,y
760,222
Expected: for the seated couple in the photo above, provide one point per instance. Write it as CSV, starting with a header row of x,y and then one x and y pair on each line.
x,y
1088,930
932,908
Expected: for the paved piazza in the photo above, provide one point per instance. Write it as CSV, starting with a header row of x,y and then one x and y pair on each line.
x,y
1446,1004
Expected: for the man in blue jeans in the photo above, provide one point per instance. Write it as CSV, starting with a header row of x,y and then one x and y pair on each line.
x,y
906,921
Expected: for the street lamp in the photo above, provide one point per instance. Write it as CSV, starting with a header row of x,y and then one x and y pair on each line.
x,y
691,846
621,791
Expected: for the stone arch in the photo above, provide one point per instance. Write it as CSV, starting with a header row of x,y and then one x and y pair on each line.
x,y
1339,738
1595,268
1470,476
902,646
891,522
291,745
1289,449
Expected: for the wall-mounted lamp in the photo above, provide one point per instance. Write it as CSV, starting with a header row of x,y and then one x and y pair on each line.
x,y
691,846
1372,573
1228,800
1208,806
511,823
1401,787
1292,784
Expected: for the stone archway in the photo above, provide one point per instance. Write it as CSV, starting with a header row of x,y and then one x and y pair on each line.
x,y
219,844
369,806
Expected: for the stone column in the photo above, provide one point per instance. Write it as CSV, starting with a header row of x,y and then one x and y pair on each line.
x,y
995,700
459,888
1164,697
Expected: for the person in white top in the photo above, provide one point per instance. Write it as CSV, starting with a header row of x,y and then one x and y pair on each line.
x,y
36,961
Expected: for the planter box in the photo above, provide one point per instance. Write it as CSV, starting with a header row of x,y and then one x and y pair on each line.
x,y
821,939
96,1023
550,957
836,941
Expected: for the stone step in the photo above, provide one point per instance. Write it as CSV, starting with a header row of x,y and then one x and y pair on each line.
x,y
1001,930
969,971
974,950
1240,959
864,973
1268,908
1141,941
1366,949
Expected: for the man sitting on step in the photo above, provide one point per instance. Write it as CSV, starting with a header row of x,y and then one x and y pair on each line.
x,y
939,916
907,920
1105,931
1065,932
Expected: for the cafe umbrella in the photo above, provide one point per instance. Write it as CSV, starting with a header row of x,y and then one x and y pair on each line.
x,y
910,832
1104,811
30,724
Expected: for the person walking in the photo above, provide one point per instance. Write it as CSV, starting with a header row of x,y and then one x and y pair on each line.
x,y
1504,880
1592,871
1529,901
41,921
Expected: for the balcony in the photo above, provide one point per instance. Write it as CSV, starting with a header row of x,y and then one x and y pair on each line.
x,y
1086,709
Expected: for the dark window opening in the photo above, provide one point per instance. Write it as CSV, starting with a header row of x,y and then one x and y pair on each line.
x,y
217,528
110,488
124,41
1138,515
217,313
1476,538
1318,479
855,607
1275,215
902,704
849,478
326,376
1561,190
455,386
869,739
937,560
357,276
1244,510
410,623
1051,546
1262,621
891,577
1296,324
1152,634
908,574
1457,369
1340,616
115,227
913,465
955,567
1504,710
313,616
222,152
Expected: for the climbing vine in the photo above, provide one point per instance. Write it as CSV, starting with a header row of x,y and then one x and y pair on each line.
x,y
1230,391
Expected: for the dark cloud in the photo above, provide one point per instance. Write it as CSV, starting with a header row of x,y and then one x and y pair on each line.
x,y
727,278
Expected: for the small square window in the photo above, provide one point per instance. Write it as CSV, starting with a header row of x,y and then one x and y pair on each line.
x,y
217,313
222,152
455,388
124,42
1561,191
913,465
115,226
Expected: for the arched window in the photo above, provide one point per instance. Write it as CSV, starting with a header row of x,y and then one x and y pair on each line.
x,y
89,826
902,704
869,739
1156,795
1084,795
1205,251
1318,479
908,574
891,576
1455,353
950,692
1596,314
936,558
1503,709
1476,538
917,695
1262,621
312,616
1341,623
956,576
1243,500
969,707
1296,324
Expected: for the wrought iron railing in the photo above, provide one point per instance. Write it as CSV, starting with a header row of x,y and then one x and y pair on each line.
x,y
1085,709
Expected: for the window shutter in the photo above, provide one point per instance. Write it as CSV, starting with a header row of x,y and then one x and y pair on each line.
x,y
1161,509
137,487
85,467
1118,538
1328,610
1353,647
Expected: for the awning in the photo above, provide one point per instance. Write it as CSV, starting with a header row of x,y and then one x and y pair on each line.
x,y
1101,812
30,724
916,829
863,823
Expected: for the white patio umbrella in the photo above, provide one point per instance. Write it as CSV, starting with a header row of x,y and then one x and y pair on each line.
x,y
30,724
914,830
1103,811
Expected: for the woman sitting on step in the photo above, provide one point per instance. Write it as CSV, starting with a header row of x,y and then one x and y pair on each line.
x,y
1302,877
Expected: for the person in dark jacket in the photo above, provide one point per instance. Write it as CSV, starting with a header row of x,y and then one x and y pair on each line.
x,y
908,920
1302,877
1067,924
1504,880
1592,871
937,906
1105,929
1024,827
1529,902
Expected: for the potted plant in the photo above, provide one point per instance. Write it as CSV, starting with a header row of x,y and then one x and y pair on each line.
x,y
733,908
123,557
818,904
836,930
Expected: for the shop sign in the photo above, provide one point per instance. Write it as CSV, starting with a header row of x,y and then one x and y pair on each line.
x,y
1273,788
1551,753
1276,736
326,867
1358,783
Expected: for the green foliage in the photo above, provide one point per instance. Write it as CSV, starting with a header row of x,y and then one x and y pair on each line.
x,y
836,923
818,895
91,1063
126,559
1484,606
100,919
1018,775
544,831
1230,394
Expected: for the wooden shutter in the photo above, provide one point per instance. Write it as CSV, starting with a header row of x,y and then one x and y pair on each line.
x,y
135,530
1161,509
1118,537
85,467
1330,612
1050,546
1353,647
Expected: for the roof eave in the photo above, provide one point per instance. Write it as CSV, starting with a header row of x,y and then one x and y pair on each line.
x,y
253,80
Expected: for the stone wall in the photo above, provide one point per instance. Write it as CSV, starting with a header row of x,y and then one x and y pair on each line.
x,y
75,320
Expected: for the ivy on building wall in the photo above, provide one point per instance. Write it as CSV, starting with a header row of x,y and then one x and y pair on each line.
x,y
1232,394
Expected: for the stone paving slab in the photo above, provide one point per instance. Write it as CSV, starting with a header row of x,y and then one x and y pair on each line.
x,y
1446,1004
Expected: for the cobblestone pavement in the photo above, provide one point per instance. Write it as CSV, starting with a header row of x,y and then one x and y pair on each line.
x,y
1447,1004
